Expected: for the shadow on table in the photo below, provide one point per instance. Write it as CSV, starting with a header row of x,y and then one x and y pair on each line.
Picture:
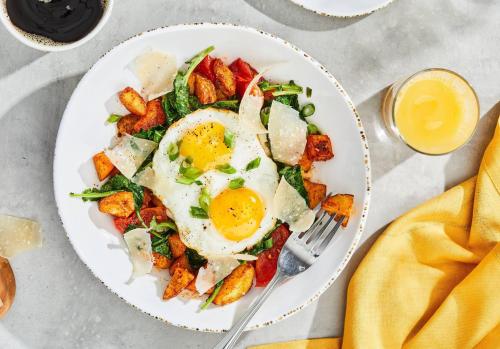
x,y
456,170
292,15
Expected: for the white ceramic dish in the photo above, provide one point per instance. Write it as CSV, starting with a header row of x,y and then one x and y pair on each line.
x,y
343,8
44,44
83,133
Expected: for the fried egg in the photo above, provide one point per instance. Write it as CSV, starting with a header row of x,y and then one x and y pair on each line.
x,y
238,216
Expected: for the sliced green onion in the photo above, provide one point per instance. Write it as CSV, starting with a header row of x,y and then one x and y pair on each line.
x,y
226,168
173,151
212,296
236,183
309,92
268,243
253,164
186,181
307,110
204,199
94,195
198,212
163,226
114,118
264,115
312,129
228,139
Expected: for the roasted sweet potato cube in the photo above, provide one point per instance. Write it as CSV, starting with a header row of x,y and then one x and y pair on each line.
x,y
316,192
180,279
119,204
224,78
192,287
236,285
160,261
205,90
305,163
192,82
103,165
181,262
220,95
319,148
133,101
154,116
177,247
126,124
340,205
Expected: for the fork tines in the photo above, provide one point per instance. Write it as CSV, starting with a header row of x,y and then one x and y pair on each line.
x,y
319,235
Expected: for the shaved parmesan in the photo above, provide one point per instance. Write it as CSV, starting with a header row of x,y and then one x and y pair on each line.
x,y
156,71
139,247
146,178
287,133
290,207
129,154
250,107
216,270
18,235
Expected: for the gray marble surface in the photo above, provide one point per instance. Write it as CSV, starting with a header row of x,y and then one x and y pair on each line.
x,y
59,304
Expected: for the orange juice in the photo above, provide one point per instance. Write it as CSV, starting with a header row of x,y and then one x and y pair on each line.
x,y
435,111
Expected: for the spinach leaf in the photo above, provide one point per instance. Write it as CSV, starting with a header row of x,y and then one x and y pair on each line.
x,y
168,103
154,134
160,245
195,260
293,176
120,183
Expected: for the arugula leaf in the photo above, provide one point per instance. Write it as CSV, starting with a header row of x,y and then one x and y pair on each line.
x,y
226,168
120,182
161,246
93,194
290,100
114,118
168,103
293,176
154,134
214,294
198,212
195,260
236,183
253,164
163,226
228,138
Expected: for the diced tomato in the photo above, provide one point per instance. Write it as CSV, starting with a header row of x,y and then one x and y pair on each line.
x,y
267,262
147,215
205,68
242,69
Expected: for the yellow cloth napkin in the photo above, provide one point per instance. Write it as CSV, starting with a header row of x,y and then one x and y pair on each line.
x,y
432,279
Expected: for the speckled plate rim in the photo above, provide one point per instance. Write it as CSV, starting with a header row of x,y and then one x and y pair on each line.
x,y
334,15
366,156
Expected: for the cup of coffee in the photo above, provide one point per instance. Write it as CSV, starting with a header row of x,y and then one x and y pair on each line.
x,y
54,25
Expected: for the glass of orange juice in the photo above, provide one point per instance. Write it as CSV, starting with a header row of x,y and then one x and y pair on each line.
x,y
434,111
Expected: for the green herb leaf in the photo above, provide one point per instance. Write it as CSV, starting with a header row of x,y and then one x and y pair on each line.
x,y
198,212
232,104
195,260
163,226
312,129
293,176
309,92
168,103
236,183
307,110
204,200
154,134
264,115
290,100
253,164
120,182
214,294
114,118
226,168
93,194
161,246
173,151
228,138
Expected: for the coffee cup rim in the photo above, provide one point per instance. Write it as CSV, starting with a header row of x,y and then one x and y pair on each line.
x,y
61,46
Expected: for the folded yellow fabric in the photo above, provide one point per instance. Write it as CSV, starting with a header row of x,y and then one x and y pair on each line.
x,y
432,279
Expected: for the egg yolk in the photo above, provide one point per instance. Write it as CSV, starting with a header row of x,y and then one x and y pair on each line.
x,y
205,145
236,214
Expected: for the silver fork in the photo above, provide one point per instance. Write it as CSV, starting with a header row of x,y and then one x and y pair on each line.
x,y
299,252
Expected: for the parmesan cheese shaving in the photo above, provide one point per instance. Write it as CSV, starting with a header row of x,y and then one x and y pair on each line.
x,y
156,71
291,208
216,270
129,154
287,134
139,247
18,235
250,107
146,178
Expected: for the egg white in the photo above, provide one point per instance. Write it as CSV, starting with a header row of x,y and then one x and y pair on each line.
x,y
201,234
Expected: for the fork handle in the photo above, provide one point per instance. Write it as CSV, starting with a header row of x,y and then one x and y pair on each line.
x,y
229,340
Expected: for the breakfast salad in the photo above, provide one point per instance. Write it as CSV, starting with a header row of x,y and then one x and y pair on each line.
x,y
210,173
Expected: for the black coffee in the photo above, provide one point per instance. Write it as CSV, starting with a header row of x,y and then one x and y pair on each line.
x,y
58,20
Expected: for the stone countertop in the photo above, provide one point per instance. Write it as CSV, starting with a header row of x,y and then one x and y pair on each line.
x,y
59,304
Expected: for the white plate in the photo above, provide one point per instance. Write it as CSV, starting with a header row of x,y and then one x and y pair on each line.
x,y
343,8
83,133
